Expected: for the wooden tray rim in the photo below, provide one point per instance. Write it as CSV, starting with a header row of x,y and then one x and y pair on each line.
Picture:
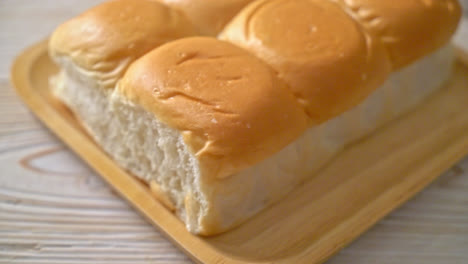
x,y
140,197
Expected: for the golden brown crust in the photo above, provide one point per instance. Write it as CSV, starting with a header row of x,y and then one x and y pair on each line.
x,y
325,56
229,106
410,29
117,32
209,16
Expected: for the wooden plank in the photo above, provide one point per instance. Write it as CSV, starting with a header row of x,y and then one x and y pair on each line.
x,y
54,209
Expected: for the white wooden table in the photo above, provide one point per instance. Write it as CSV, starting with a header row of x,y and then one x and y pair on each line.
x,y
54,209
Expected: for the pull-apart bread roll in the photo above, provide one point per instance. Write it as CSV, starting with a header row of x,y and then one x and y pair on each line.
x,y
215,97
409,29
103,41
220,97
95,49
327,58
221,129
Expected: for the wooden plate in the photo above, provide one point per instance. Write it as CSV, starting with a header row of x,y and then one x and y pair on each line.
x,y
363,184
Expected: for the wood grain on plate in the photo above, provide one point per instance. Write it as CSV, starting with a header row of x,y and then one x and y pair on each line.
x,y
363,184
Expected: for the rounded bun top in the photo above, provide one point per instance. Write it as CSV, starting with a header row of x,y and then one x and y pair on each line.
x,y
410,29
232,110
209,16
113,34
326,57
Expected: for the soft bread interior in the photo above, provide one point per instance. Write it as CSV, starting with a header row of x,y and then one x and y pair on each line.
x,y
136,140
156,153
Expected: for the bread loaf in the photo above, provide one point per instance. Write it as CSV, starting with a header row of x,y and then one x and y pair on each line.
x,y
221,130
